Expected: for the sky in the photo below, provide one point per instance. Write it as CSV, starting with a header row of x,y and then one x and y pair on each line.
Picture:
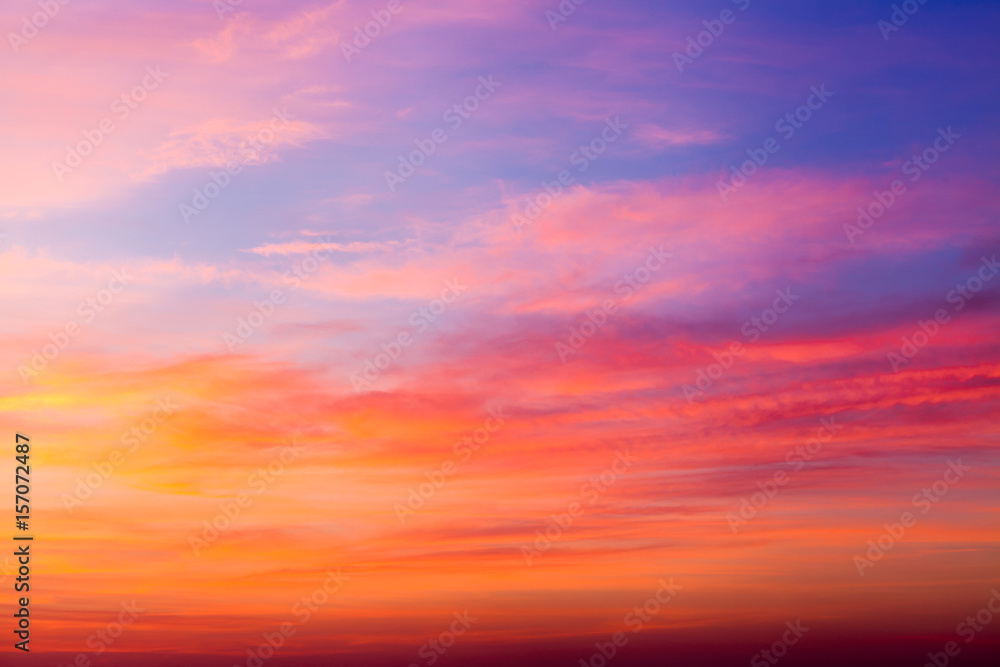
x,y
531,313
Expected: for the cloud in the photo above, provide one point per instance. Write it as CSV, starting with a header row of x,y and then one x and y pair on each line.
x,y
657,136
303,247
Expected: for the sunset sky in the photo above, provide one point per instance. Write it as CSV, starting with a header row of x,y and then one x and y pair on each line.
x,y
396,307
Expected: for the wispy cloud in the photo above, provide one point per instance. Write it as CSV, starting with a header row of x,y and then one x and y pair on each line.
x,y
304,247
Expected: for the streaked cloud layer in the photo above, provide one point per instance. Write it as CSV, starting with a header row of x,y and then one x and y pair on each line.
x,y
406,384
